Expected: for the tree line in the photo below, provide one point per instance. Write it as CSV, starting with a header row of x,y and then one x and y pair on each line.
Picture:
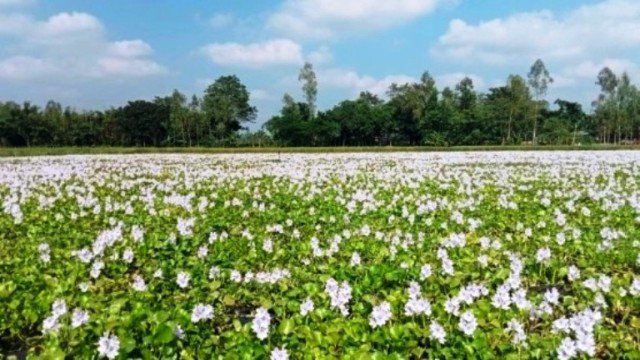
x,y
417,114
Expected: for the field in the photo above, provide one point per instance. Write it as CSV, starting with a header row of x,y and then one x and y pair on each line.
x,y
398,255
71,150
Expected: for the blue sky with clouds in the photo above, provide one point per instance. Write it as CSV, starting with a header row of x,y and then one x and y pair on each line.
x,y
94,54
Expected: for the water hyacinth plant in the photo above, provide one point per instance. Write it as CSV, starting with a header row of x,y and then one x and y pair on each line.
x,y
510,255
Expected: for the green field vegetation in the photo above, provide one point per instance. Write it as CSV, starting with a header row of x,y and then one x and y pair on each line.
x,y
357,256
56,151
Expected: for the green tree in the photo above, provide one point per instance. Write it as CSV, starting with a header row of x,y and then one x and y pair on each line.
x,y
226,107
144,123
309,87
539,80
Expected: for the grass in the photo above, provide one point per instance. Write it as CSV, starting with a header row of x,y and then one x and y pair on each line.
x,y
41,151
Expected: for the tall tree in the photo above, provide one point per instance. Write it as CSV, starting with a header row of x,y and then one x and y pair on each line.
x,y
226,106
539,80
144,123
519,101
309,87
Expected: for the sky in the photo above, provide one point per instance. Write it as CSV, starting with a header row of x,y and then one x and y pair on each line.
x,y
97,54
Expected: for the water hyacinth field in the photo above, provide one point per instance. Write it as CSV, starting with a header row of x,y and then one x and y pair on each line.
x,y
492,255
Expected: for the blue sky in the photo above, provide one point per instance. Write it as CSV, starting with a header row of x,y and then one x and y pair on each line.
x,y
95,54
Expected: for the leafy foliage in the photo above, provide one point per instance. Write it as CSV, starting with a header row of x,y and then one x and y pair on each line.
x,y
401,255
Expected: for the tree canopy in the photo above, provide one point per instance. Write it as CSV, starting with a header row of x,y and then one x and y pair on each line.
x,y
417,113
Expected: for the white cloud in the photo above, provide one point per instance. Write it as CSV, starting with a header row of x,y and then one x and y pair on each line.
x,y
326,19
24,68
320,56
115,66
255,55
589,69
68,23
221,20
130,48
354,82
14,24
590,30
260,94
452,79
71,46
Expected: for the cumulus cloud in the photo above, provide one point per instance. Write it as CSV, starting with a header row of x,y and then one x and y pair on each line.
x,y
255,55
327,19
320,56
71,45
587,31
355,83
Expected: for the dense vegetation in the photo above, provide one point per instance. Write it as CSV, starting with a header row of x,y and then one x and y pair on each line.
x,y
414,114
529,255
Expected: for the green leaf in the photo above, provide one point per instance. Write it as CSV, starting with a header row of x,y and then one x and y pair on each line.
x,y
286,326
163,334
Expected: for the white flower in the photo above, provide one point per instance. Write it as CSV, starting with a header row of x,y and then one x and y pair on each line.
x,y
201,312
138,283
178,332
214,272
340,295
468,323
306,307
502,298
437,332
83,286
519,336
485,243
182,279
59,308
552,296
96,268
137,233
50,324
236,276
543,255
567,349
267,245
355,259
84,255
279,354
108,346
635,287
127,255
604,283
591,284
573,273
79,317
452,306
425,272
260,324
203,251
157,274
600,302
483,260
380,315
417,306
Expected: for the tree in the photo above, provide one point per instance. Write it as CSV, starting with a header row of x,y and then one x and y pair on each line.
x,y
309,87
144,123
226,106
539,80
